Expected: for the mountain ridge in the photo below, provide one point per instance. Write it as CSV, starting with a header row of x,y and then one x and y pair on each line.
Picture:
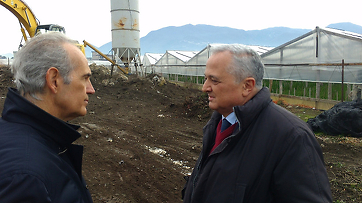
x,y
196,37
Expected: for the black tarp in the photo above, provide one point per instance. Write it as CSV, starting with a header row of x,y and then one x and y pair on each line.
x,y
344,118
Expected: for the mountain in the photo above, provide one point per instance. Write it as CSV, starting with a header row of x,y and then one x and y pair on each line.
x,y
7,55
196,37
347,27
105,49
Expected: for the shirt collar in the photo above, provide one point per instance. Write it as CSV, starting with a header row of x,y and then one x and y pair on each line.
x,y
231,118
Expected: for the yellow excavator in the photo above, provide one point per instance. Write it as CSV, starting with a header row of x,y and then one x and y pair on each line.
x,y
28,21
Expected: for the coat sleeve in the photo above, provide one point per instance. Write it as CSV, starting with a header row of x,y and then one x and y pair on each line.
x,y
300,175
23,188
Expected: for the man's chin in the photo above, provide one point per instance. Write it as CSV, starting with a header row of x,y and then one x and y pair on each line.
x,y
211,106
82,113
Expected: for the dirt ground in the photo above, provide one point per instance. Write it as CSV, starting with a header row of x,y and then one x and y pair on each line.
x,y
143,135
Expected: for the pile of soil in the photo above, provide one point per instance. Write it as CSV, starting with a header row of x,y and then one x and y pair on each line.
x,y
143,135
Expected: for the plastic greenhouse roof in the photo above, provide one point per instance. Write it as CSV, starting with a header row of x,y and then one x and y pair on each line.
x,y
153,58
317,56
335,32
259,49
183,55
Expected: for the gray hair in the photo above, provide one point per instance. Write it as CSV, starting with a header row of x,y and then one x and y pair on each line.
x,y
32,62
246,63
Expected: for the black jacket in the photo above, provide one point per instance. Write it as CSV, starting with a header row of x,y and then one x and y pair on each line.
x,y
38,163
271,157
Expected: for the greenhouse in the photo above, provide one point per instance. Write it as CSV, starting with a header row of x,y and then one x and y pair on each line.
x,y
172,62
189,65
317,56
149,60
328,61
321,64
321,55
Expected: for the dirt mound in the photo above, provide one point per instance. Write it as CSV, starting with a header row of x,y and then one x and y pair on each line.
x,y
143,135
6,77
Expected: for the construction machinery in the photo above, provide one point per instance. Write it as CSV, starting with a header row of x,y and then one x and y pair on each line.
x,y
30,26
27,20
125,71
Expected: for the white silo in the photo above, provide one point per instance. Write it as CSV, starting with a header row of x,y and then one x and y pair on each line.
x,y
125,30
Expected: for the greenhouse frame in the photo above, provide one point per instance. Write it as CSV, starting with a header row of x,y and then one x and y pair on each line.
x,y
321,55
186,63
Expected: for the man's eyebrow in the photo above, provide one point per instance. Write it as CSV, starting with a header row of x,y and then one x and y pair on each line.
x,y
209,75
213,77
87,75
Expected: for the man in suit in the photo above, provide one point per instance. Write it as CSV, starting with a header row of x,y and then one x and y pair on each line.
x,y
264,154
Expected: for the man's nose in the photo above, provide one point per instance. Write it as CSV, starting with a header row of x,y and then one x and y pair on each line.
x,y
206,87
90,89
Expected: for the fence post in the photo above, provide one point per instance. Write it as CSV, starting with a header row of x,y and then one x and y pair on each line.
x,y
342,96
349,92
304,92
310,92
270,85
318,90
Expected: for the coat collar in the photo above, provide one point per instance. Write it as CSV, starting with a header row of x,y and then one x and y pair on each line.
x,y
245,114
251,109
17,109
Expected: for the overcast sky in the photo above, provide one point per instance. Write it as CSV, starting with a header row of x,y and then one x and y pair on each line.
x,y
90,20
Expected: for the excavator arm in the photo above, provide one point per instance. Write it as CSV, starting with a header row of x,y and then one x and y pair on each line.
x,y
26,17
85,43
28,21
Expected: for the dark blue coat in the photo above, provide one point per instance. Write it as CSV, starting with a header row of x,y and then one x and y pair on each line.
x,y
272,157
38,162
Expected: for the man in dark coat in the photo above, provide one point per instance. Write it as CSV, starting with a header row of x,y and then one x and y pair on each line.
x,y
38,162
265,154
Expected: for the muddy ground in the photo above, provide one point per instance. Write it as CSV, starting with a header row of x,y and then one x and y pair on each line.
x,y
143,135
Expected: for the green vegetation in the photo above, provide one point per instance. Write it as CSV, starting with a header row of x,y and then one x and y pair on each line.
x,y
308,89
293,88
186,78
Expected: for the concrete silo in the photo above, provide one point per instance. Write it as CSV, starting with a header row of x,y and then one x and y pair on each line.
x,y
125,31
